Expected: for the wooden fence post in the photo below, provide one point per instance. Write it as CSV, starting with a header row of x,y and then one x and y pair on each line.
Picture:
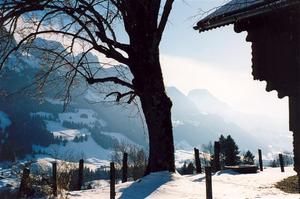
x,y
112,180
216,160
197,161
24,183
208,183
281,162
124,168
260,160
54,178
80,175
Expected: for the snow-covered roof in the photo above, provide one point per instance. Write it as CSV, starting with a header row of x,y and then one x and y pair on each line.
x,y
236,10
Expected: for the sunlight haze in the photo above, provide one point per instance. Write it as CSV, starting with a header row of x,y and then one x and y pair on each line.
x,y
218,60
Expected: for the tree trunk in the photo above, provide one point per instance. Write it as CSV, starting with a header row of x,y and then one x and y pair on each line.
x,y
156,105
157,110
145,36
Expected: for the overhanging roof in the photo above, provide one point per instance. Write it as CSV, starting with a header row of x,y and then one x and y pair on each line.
x,y
237,10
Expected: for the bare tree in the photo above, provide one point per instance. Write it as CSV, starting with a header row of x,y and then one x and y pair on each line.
x,y
127,31
137,158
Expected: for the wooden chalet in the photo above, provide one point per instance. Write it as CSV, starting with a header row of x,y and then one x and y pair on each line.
x,y
273,27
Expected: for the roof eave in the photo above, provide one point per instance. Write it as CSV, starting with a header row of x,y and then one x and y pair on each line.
x,y
216,22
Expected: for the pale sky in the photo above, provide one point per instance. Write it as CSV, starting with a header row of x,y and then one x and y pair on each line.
x,y
218,60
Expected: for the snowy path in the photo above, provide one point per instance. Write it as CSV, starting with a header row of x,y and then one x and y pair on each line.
x,y
172,186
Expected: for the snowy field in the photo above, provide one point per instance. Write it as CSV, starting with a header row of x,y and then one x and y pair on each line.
x,y
89,150
121,138
84,116
182,156
226,184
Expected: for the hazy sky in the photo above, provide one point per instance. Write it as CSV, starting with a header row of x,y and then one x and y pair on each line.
x,y
218,60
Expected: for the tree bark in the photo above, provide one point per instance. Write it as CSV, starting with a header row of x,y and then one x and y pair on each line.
x,y
156,105
145,33
157,110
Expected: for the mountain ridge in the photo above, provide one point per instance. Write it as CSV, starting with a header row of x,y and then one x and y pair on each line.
x,y
197,118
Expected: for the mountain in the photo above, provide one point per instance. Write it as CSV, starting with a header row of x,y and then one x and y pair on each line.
x,y
207,103
272,133
198,126
85,116
197,118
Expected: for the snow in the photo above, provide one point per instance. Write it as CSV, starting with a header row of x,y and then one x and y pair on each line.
x,y
97,163
4,120
54,101
77,117
172,186
68,134
7,179
121,138
97,184
9,175
182,156
88,150
53,126
44,163
42,114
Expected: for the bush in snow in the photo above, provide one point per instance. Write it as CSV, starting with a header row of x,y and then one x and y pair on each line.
x,y
137,160
187,169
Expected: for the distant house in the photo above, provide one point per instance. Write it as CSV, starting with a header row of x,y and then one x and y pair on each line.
x,y
273,27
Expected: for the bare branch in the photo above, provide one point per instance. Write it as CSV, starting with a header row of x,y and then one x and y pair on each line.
x,y
164,18
119,95
109,79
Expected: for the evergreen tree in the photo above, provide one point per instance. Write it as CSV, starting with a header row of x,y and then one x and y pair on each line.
x,y
24,132
65,142
76,139
86,138
229,151
248,158
7,152
190,168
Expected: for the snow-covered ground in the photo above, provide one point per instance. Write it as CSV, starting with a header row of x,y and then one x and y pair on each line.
x,y
44,163
182,156
84,116
226,184
59,131
42,114
121,138
7,177
88,150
